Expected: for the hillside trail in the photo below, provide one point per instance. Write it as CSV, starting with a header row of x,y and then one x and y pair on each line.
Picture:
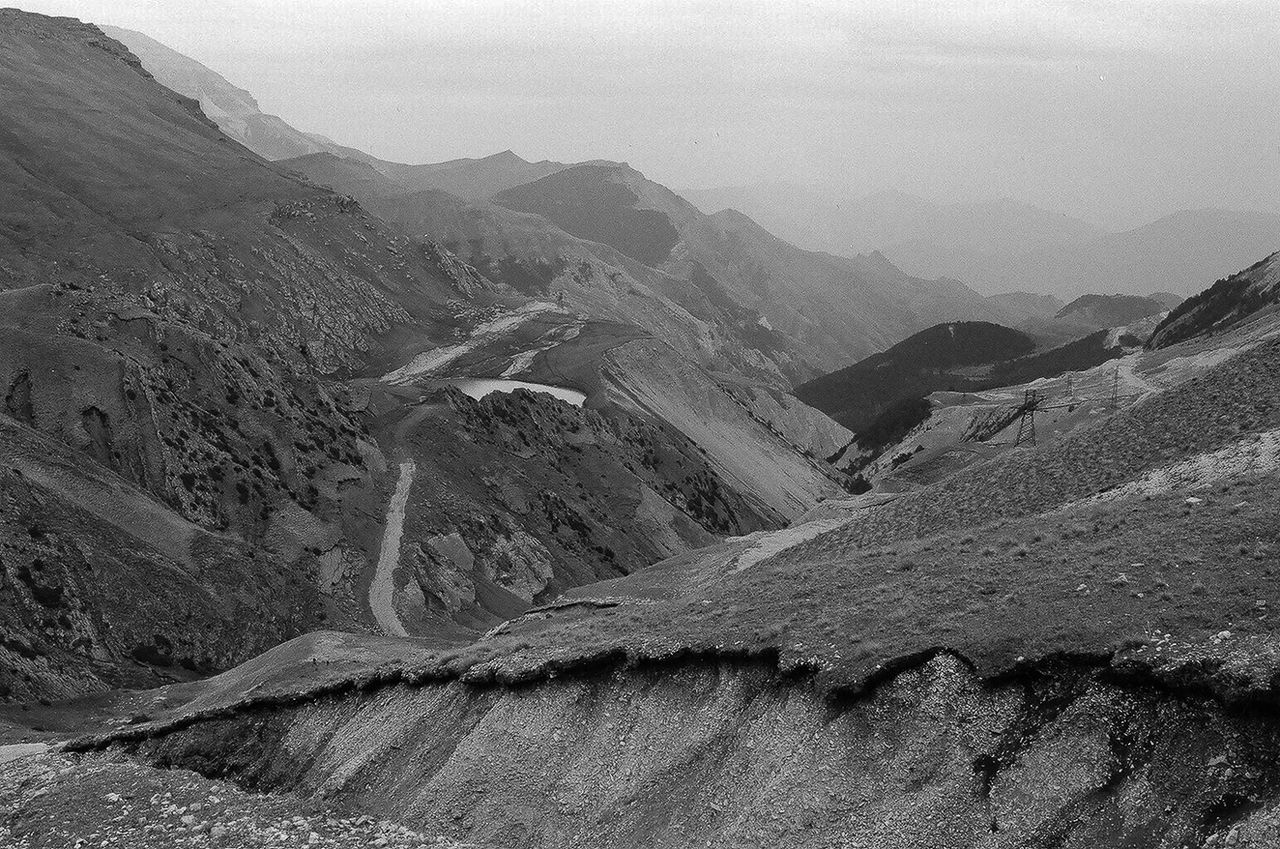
x,y
1129,379
382,587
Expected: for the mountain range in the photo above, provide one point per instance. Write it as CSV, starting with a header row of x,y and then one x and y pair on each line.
x,y
719,288
349,503
1004,245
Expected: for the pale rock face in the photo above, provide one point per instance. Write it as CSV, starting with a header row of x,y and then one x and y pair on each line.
x,y
445,573
511,559
808,429
518,563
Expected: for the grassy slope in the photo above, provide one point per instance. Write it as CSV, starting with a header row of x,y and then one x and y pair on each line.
x,y
1087,580
987,562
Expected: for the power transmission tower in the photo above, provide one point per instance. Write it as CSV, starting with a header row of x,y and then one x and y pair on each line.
x,y
1115,389
1027,424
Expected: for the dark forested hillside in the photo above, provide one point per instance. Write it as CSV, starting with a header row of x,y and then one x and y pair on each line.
x,y
1223,304
930,360
1110,310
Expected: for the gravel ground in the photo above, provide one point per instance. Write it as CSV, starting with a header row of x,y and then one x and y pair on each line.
x,y
61,801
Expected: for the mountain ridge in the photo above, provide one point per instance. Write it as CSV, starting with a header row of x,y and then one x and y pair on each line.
x,y
1035,249
827,327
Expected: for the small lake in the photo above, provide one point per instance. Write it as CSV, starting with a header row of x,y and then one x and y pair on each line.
x,y
478,387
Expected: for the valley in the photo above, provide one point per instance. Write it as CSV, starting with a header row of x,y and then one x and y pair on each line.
x,y
505,503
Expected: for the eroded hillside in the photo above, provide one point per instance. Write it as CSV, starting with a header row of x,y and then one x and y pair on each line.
x,y
317,533
1065,646
249,361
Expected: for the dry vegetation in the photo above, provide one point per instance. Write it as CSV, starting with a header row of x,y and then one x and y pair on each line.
x,y
1081,583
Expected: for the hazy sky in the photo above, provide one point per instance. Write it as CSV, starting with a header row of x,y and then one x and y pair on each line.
x,y
1117,110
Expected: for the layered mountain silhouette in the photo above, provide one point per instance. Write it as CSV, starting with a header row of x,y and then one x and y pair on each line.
x,y
233,109
720,288
1004,245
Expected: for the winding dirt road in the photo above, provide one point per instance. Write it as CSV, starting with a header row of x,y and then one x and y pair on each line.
x,y
382,588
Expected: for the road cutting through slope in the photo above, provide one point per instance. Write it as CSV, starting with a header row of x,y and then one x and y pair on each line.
x,y
435,359
382,588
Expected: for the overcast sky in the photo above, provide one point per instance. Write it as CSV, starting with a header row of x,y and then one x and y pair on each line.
x,y
1116,110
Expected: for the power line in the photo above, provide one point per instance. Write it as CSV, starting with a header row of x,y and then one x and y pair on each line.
x,y
1027,424
983,426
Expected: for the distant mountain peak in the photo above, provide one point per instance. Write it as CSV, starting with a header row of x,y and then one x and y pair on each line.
x,y
505,156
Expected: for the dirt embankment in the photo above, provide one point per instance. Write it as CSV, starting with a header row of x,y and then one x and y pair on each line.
x,y
733,753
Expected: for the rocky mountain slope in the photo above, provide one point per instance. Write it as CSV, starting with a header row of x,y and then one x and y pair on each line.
x,y
144,257
830,307
1080,655
533,256
725,292
238,407
213,375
